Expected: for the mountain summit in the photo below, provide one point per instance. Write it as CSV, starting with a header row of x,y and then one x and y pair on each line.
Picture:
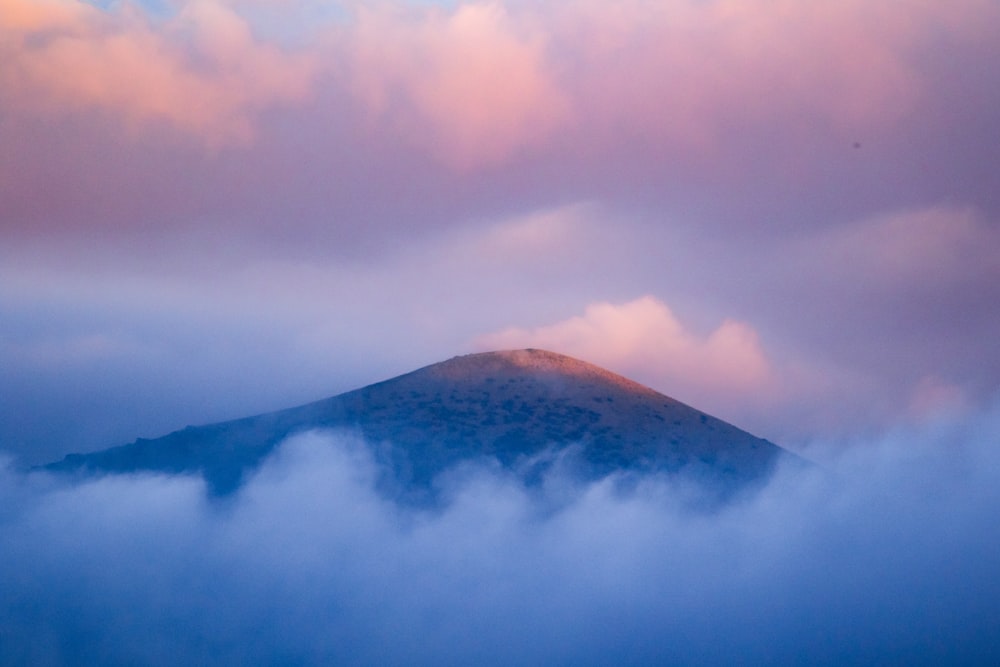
x,y
513,406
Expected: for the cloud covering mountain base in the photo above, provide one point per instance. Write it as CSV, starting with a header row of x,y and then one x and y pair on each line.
x,y
886,554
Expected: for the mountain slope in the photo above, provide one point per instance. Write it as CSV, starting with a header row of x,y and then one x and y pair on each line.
x,y
511,405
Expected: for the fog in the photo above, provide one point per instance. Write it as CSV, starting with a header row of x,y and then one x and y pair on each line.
x,y
884,552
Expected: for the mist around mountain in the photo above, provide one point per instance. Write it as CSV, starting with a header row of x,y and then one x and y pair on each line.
x,y
884,554
522,409
892,560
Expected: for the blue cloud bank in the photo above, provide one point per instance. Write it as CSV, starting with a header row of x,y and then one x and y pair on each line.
x,y
887,554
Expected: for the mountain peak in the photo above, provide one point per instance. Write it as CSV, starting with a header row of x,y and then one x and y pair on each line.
x,y
510,406
528,358
527,362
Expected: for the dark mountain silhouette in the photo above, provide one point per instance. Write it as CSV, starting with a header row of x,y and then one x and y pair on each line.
x,y
517,407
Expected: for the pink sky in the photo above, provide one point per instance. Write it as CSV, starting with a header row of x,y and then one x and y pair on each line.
x,y
785,213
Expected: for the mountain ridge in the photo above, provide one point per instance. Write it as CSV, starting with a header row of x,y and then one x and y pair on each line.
x,y
506,405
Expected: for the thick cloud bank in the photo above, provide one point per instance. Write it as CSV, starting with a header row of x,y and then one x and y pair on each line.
x,y
888,558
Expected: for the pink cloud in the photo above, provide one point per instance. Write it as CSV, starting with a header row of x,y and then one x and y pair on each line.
x,y
472,86
933,397
487,83
30,16
201,71
682,73
477,85
643,339
912,247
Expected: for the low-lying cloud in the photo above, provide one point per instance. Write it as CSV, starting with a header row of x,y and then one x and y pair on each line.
x,y
886,553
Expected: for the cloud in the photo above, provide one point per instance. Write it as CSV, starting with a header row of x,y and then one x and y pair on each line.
x,y
470,85
910,248
694,80
645,340
893,283
200,70
933,397
488,83
887,559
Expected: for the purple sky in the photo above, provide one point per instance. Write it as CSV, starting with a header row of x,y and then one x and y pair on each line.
x,y
784,213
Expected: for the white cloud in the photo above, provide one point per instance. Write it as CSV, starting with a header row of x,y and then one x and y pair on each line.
x,y
643,339
891,559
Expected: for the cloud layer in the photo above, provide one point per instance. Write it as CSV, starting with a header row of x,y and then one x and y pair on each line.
x,y
886,555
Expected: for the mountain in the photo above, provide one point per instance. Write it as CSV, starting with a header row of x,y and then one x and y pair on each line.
x,y
518,407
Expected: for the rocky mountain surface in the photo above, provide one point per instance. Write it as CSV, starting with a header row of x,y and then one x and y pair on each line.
x,y
519,408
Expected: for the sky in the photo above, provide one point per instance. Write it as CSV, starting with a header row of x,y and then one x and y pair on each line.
x,y
785,213
781,212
